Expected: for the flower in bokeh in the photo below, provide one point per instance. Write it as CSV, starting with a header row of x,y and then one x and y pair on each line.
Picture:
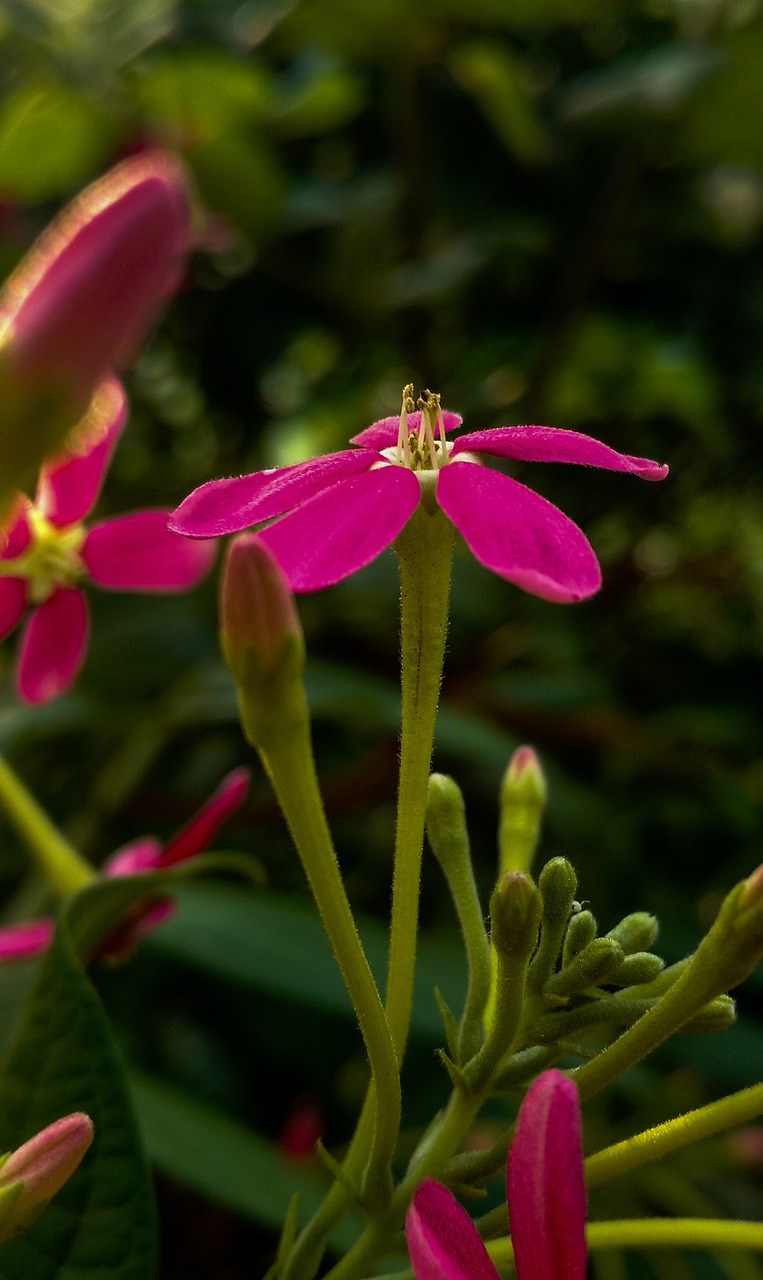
x,y
81,301
47,554
546,1199
335,514
20,941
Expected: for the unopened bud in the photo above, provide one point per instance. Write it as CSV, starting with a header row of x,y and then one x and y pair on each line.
x,y
636,932
32,1174
640,967
516,908
595,964
262,638
523,799
580,931
557,884
717,1015
82,300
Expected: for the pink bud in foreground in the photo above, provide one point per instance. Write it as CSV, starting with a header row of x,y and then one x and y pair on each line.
x,y
258,614
82,300
32,1174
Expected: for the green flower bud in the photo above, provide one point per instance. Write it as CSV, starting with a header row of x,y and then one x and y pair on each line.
x,y
638,968
592,966
557,884
636,932
523,799
515,914
581,930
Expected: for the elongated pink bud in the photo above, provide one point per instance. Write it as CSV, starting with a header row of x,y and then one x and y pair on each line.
x,y
258,615
84,297
32,1174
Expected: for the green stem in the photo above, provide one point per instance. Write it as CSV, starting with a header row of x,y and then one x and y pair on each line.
x,y
650,1145
425,553
64,869
657,1233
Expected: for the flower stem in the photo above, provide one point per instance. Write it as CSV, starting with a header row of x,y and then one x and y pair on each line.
x,y
425,554
284,744
64,869
657,1233
650,1145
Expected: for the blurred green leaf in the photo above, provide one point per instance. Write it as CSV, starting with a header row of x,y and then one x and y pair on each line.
x,y
316,95
500,84
658,83
198,94
51,141
213,1154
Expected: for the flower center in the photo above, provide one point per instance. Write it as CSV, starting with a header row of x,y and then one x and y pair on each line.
x,y
51,560
426,450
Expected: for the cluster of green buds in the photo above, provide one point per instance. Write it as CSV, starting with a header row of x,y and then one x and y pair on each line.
x,y
543,983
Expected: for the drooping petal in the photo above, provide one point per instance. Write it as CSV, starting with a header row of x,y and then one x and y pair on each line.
x,y
383,434
69,485
82,300
228,506
551,444
442,1239
139,553
518,534
134,858
13,598
546,1189
53,646
198,834
15,534
344,528
19,941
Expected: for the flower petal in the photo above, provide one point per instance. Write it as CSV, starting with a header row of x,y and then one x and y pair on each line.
x,y
139,553
12,604
15,534
442,1239
18,941
344,528
228,506
545,1184
383,434
518,534
550,444
69,485
134,858
197,835
53,646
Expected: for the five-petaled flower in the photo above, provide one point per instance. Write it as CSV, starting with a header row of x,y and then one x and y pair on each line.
x,y
21,941
47,554
546,1199
335,514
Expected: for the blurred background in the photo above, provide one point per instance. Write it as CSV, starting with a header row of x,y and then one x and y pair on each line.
x,y
551,212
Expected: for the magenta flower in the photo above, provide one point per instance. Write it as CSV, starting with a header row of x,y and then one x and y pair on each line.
x,y
48,554
18,942
335,514
546,1199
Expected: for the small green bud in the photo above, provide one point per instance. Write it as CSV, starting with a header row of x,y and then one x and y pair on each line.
x,y
718,1015
636,932
638,968
523,799
592,966
580,931
557,884
446,824
515,914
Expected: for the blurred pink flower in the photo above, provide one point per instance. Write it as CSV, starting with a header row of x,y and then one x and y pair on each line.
x,y
32,1174
546,1199
335,514
47,554
18,942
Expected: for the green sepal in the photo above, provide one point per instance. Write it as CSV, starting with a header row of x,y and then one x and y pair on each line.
x,y
457,1077
449,1023
288,1235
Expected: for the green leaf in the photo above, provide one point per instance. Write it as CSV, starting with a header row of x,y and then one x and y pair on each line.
x,y
51,140
500,85
276,943
102,1223
203,93
213,1154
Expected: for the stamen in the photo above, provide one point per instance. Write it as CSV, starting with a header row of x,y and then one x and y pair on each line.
x,y
426,436
441,430
403,448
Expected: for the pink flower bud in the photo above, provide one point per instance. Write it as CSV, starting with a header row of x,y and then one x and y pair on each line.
x,y
523,799
38,1169
259,617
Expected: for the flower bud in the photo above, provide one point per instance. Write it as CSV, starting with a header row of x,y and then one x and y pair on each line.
x,y
580,931
595,964
32,1174
523,799
638,968
261,638
636,932
515,914
81,301
557,883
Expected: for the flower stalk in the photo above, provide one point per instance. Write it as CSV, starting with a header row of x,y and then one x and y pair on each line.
x,y
63,868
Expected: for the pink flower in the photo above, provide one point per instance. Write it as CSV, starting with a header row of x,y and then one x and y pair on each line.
x,y
48,554
546,1198
17,942
335,514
